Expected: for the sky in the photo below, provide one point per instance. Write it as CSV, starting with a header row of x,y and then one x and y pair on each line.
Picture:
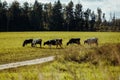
x,y
108,6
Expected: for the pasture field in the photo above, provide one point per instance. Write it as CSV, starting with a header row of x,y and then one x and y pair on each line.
x,y
11,49
82,62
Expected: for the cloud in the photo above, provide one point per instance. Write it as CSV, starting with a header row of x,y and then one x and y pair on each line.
x,y
92,0
107,6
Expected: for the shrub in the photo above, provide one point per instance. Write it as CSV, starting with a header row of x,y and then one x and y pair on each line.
x,y
108,54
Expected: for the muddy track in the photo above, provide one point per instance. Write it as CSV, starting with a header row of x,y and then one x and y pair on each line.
x,y
28,62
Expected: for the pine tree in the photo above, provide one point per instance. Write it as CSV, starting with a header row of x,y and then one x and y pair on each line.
x,y
15,11
37,16
78,17
70,16
57,17
92,21
99,20
87,14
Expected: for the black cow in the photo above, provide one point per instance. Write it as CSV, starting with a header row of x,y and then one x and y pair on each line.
x,y
91,41
36,41
74,40
27,41
57,42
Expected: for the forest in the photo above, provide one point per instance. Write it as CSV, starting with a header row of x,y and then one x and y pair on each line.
x,y
53,17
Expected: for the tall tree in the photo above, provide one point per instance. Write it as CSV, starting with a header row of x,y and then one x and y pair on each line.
x,y
47,13
87,15
92,21
78,17
70,16
99,20
57,16
24,16
104,21
37,16
16,12
3,17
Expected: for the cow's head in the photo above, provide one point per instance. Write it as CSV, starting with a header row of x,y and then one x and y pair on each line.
x,y
85,41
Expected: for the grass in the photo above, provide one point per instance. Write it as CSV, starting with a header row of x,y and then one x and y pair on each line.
x,y
68,68
15,39
74,63
62,71
11,49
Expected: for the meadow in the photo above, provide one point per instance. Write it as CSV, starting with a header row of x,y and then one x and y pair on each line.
x,y
73,66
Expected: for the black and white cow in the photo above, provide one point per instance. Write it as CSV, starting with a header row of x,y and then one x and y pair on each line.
x,y
90,41
57,42
74,40
27,41
36,41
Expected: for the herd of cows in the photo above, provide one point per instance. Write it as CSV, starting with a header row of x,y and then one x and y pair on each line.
x,y
58,42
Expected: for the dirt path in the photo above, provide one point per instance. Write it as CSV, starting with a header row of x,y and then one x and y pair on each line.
x,y
29,62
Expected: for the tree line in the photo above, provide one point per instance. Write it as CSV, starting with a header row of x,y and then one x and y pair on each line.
x,y
53,17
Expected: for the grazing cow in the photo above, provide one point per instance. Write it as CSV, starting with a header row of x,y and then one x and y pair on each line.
x,y
74,40
36,41
57,42
27,41
91,41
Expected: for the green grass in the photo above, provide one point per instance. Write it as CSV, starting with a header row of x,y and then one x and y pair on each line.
x,y
62,71
15,39
11,49
66,67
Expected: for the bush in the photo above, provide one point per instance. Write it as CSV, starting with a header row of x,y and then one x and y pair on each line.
x,y
108,54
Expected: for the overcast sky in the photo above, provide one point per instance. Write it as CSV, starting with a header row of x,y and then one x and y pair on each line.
x,y
107,6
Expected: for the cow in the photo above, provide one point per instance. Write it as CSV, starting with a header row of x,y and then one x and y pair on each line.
x,y
57,42
27,41
74,40
36,41
90,41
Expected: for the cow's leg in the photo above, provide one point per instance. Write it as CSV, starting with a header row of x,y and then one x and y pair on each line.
x,y
78,43
89,44
32,44
97,43
50,46
40,45
60,45
24,44
35,45
57,46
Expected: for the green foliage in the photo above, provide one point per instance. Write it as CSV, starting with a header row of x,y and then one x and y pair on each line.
x,y
56,17
53,17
